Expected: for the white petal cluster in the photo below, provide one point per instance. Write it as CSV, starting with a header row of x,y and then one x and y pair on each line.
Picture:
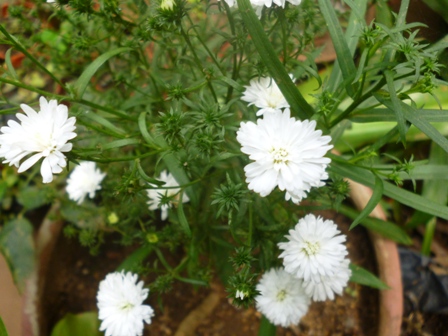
x,y
329,285
119,302
259,4
287,153
282,298
84,180
265,94
42,134
155,195
315,252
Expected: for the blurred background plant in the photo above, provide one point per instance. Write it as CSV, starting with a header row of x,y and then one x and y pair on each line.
x,y
157,86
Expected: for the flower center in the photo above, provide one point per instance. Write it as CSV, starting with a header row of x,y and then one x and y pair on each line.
x,y
311,248
126,306
280,155
281,295
46,143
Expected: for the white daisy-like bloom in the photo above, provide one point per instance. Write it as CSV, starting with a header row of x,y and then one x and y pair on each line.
x,y
84,180
265,94
288,153
119,301
155,195
327,286
43,134
315,248
282,298
280,3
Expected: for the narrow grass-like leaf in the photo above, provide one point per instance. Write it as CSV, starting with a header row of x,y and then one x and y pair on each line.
x,y
364,277
182,218
386,229
345,57
135,259
144,130
3,331
373,201
405,197
238,87
385,114
9,65
266,328
145,177
84,79
120,143
430,229
298,104
105,123
401,121
412,114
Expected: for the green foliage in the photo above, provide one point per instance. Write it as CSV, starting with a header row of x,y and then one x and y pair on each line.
x,y
78,324
159,87
3,331
17,246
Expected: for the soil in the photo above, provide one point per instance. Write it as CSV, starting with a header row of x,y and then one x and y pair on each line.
x,y
72,282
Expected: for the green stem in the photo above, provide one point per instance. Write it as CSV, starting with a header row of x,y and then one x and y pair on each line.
x,y
198,61
73,100
429,235
23,50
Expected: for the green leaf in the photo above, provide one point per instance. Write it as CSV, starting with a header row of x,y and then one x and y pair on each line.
x,y
182,218
145,177
83,80
401,122
266,328
135,259
298,104
3,331
386,114
386,229
33,197
364,277
9,65
144,130
413,116
120,143
80,324
405,197
343,52
17,246
105,123
374,200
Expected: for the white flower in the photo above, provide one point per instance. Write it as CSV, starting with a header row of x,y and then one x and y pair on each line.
x,y
288,153
84,180
120,307
167,5
265,94
51,1
282,298
281,3
241,294
155,195
327,285
314,249
44,134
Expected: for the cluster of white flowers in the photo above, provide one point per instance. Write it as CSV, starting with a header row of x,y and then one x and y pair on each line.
x,y
155,195
43,134
84,180
120,304
315,268
315,252
259,4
